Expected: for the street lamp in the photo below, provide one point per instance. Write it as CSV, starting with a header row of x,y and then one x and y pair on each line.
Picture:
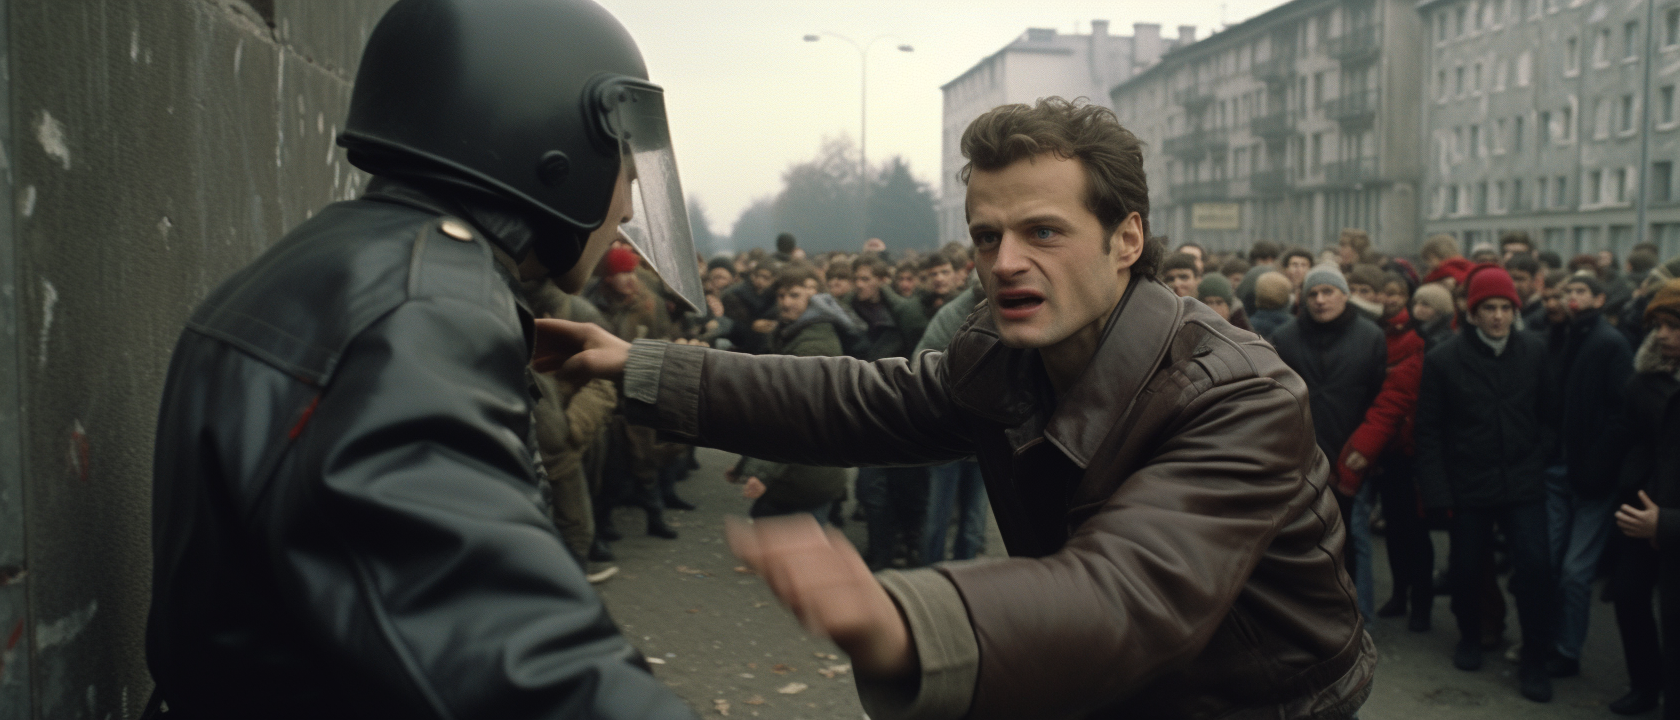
x,y
863,94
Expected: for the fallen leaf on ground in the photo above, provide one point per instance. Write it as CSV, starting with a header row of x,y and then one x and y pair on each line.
x,y
781,669
722,706
656,661
833,670
744,570
792,688
756,700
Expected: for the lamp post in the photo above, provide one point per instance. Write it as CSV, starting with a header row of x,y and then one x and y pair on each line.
x,y
863,96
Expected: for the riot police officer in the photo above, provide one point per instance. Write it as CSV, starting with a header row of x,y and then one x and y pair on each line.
x,y
347,519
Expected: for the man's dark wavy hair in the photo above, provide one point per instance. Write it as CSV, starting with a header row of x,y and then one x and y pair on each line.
x,y
1111,155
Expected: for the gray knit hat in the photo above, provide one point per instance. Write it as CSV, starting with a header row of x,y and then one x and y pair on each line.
x,y
1325,275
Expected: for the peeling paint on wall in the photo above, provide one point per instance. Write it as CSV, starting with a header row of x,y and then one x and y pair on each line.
x,y
64,629
49,299
51,136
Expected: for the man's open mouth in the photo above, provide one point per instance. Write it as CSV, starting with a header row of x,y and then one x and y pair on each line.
x,y
1019,299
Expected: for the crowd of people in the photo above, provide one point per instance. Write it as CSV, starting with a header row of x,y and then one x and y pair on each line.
x,y
871,305
1512,399
1518,402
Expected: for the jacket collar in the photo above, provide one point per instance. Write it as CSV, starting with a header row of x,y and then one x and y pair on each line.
x,y
1009,385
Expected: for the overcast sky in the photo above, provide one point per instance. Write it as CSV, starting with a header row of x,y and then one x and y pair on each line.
x,y
748,96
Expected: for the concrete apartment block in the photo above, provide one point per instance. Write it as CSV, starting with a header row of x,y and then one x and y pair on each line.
x,y
1533,116
1287,127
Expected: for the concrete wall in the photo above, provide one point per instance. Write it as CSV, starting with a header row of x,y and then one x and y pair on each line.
x,y
153,148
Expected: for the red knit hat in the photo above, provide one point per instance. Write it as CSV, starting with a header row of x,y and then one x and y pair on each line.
x,y
620,260
1456,268
1487,281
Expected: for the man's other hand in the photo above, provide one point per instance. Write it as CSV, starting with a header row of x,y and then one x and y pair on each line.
x,y
580,352
819,576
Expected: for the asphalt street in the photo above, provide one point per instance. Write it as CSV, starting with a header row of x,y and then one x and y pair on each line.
x,y
720,640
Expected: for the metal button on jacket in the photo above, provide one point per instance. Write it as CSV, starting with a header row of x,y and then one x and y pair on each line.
x,y
456,229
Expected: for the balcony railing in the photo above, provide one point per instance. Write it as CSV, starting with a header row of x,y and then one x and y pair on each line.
x,y
1273,126
1354,45
1352,108
1351,172
1193,98
1269,182
1279,69
1201,190
1197,143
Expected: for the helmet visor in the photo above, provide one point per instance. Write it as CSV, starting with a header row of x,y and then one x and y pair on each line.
x,y
635,115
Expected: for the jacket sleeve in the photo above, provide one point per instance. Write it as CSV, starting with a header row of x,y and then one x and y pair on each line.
x,y
1428,433
588,411
1173,520
1607,448
416,543
836,411
1395,402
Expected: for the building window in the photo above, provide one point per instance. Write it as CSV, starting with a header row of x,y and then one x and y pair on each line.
x,y
1662,181
1440,27
1566,119
1571,56
1525,68
1459,85
1460,22
1517,195
1665,104
1475,141
1595,187
1481,198
1499,196
1601,48
1671,28
1452,198
1541,196
1458,143
1499,137
1476,84
1619,184
1441,85
1545,127
1627,113
1630,47
1560,197
1318,87
1516,133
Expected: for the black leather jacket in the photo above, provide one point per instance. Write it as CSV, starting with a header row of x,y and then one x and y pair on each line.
x,y
346,514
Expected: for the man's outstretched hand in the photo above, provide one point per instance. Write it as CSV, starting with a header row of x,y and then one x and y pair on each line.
x,y
580,352
820,577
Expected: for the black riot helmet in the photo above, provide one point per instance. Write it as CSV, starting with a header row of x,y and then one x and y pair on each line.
x,y
538,102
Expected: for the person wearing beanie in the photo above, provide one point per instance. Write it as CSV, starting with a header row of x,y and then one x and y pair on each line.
x,y
1384,441
1271,298
1480,455
1215,292
1342,356
1592,362
631,310
1648,492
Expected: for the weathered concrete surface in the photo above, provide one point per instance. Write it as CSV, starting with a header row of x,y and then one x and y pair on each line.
x,y
157,147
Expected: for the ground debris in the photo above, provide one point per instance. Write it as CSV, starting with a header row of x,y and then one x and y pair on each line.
x,y
656,661
686,570
792,688
781,669
755,700
835,670
721,706
744,570
827,656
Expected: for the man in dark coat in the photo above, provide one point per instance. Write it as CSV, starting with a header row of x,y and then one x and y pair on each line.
x,y
1343,356
750,306
894,324
1481,439
1649,519
1580,483
347,510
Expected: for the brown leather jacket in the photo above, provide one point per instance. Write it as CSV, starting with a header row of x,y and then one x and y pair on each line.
x,y
1174,543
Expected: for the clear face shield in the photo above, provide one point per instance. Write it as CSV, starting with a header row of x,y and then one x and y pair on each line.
x,y
634,114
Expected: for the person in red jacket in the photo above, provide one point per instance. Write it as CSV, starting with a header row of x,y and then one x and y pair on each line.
x,y
1381,448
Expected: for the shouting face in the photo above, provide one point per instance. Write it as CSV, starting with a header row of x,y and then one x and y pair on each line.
x,y
1049,268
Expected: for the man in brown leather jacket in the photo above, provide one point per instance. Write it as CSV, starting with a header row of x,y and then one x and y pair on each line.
x,y
1174,542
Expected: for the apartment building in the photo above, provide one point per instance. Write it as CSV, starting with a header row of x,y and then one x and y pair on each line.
x,y
1289,127
1537,119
